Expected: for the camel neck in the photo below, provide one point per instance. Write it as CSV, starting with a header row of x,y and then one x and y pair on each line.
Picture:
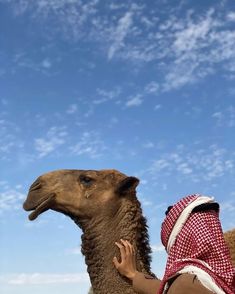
x,y
98,246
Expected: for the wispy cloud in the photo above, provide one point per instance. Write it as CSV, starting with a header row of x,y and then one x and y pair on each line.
x,y
231,16
42,278
203,164
9,137
225,117
192,43
148,145
46,63
69,16
152,88
72,109
89,144
134,101
157,107
120,33
54,138
10,199
106,95
228,206
157,248
227,212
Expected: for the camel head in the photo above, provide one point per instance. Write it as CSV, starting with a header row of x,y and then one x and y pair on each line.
x,y
80,194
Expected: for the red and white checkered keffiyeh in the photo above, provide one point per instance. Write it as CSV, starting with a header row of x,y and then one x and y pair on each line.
x,y
195,244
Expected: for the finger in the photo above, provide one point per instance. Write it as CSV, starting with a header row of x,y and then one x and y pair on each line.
x,y
122,250
126,246
131,248
116,263
134,251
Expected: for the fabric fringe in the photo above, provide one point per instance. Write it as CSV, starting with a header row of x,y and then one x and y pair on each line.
x,y
204,278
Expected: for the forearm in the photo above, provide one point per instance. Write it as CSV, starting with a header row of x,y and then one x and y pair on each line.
x,y
142,284
145,284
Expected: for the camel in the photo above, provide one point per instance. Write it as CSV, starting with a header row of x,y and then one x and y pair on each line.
x,y
229,237
105,206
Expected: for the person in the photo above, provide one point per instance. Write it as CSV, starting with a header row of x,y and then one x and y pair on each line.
x,y
198,257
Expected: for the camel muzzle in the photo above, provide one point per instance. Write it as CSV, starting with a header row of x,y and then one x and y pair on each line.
x,y
38,205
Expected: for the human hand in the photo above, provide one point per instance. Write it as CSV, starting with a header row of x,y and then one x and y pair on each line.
x,y
127,265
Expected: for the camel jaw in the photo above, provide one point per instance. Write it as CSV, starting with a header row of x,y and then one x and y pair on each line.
x,y
41,206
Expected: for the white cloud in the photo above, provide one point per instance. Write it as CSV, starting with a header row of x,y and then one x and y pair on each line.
x,y
228,206
157,107
144,201
157,248
69,16
227,209
231,16
159,165
184,168
183,50
43,278
148,145
134,101
120,33
46,63
106,95
200,165
9,138
197,48
10,199
89,144
218,116
193,45
231,116
72,109
54,138
28,62
225,118
152,88
193,36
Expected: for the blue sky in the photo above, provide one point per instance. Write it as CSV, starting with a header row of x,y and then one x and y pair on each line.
x,y
145,87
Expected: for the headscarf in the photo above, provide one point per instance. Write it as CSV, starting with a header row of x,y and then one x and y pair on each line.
x,y
195,244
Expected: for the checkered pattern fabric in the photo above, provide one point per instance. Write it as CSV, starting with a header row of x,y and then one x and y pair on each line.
x,y
173,215
199,243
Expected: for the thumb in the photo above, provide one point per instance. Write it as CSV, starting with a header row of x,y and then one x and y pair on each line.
x,y
115,261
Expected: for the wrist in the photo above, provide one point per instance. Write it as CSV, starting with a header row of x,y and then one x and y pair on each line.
x,y
131,275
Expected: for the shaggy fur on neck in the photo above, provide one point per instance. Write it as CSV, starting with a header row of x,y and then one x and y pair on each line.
x,y
99,236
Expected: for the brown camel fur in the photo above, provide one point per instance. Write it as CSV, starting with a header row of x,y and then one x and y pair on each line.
x,y
104,205
229,237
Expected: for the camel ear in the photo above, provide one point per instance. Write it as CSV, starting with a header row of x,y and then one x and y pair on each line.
x,y
127,185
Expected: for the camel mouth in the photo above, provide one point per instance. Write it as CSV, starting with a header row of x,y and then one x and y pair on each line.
x,y
43,206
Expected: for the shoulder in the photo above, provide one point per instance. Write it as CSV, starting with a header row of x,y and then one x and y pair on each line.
x,y
187,283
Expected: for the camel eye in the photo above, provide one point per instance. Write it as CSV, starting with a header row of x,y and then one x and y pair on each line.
x,y
85,180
